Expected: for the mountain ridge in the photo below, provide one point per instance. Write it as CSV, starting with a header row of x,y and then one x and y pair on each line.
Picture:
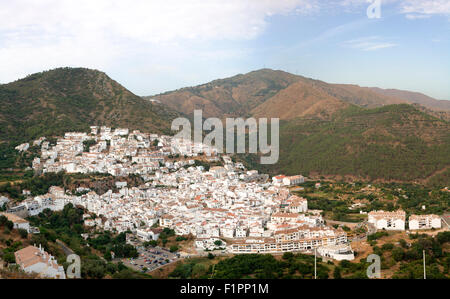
x,y
337,130
416,98
332,130
243,94
66,99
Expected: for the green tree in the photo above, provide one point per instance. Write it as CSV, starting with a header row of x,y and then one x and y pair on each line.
x,y
387,246
337,273
9,258
3,220
9,225
23,233
288,256
398,254
108,255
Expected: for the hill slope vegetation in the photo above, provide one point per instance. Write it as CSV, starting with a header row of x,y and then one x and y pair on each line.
x,y
72,99
333,129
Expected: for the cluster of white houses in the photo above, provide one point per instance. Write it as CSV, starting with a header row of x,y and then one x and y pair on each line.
x,y
254,217
227,203
396,220
54,200
118,152
225,207
242,209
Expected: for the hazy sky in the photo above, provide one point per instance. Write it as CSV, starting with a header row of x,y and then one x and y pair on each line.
x,y
158,45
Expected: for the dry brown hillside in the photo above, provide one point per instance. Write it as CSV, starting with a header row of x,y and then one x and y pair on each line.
x,y
270,92
331,129
300,100
235,96
415,97
363,96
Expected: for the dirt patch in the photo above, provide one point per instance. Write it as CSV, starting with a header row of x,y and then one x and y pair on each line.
x,y
164,271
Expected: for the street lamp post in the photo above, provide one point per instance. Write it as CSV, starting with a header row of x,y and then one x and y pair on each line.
x,y
315,263
424,267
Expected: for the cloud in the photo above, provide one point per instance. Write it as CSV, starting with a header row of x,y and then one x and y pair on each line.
x,y
36,35
150,21
417,16
106,34
371,43
412,9
420,8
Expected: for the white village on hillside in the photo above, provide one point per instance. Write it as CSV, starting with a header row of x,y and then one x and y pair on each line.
x,y
226,208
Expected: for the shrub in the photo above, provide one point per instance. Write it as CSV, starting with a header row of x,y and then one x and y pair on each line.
x,y
9,258
387,246
9,225
398,254
288,255
23,233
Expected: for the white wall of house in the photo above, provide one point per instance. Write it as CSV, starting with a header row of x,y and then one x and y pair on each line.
x,y
389,224
24,225
425,223
46,270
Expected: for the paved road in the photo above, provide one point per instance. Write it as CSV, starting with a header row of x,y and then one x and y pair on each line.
x,y
67,250
371,228
446,220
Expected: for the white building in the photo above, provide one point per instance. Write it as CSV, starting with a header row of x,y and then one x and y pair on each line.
x,y
121,184
293,240
424,222
227,232
148,234
23,147
278,180
3,200
35,260
120,132
166,220
297,204
209,243
293,180
338,252
388,220
218,171
19,223
241,232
